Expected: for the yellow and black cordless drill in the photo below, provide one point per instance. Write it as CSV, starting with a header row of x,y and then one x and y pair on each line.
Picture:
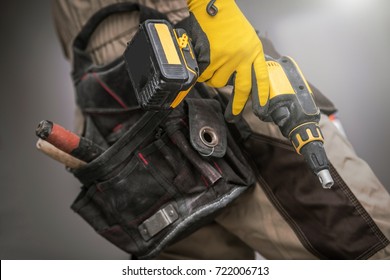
x,y
292,108
163,68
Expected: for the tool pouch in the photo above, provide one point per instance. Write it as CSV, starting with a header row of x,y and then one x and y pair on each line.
x,y
153,186
164,173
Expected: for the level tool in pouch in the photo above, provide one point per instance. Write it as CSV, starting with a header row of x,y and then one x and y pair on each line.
x,y
161,64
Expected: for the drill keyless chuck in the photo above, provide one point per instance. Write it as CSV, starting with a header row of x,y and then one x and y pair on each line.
x,y
315,156
325,178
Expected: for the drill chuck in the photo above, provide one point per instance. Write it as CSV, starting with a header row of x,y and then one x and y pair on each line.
x,y
315,156
325,179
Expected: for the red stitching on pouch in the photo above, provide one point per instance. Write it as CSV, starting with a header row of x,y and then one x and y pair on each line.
x,y
109,91
219,168
117,127
141,156
204,181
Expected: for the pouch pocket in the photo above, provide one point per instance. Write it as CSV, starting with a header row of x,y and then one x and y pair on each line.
x,y
152,186
116,207
177,160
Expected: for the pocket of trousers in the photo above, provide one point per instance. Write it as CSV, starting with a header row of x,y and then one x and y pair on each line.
x,y
325,221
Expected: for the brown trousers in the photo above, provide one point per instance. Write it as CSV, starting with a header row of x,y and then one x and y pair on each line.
x,y
252,222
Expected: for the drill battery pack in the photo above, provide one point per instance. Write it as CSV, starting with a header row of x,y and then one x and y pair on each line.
x,y
161,64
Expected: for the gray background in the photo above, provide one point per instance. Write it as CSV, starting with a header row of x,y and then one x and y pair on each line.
x,y
341,46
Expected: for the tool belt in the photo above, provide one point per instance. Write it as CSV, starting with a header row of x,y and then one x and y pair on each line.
x,y
164,173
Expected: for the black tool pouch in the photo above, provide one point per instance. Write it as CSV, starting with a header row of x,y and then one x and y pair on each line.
x,y
152,186
164,175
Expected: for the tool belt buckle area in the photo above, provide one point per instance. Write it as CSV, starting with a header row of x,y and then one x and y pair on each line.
x,y
153,185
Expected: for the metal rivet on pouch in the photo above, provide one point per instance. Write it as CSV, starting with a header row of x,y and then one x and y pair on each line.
x,y
208,136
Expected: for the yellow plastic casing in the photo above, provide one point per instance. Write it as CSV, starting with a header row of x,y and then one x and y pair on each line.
x,y
167,43
279,82
188,56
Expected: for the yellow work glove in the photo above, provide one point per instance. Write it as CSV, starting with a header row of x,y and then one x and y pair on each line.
x,y
226,44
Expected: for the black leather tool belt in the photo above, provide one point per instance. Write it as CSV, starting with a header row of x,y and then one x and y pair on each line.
x,y
164,173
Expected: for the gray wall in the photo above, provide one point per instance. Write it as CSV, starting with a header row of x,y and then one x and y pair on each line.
x,y
36,192
341,49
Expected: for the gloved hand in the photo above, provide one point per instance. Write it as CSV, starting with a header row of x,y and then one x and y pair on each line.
x,y
225,44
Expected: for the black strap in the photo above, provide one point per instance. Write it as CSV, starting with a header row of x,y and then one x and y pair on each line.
x,y
81,59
